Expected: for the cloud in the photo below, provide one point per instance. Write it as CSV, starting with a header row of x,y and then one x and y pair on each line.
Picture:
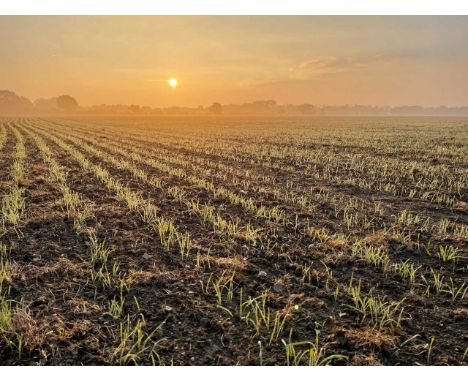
x,y
328,65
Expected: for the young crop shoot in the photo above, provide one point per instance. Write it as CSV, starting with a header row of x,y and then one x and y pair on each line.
x,y
309,353
448,253
136,345
374,309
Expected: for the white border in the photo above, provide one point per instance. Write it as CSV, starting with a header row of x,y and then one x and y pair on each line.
x,y
234,7
234,374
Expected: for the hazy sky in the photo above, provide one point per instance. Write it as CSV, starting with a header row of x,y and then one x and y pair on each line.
x,y
321,60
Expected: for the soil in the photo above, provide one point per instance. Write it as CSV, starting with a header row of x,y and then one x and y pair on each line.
x,y
63,316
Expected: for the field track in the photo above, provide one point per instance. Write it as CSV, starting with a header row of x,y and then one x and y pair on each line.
x,y
233,241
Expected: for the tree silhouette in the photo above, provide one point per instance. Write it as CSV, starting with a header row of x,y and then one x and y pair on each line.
x,y
67,103
215,108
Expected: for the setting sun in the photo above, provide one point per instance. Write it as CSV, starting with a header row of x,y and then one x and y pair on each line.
x,y
172,82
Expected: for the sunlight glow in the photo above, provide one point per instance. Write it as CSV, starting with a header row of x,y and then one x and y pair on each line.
x,y
172,82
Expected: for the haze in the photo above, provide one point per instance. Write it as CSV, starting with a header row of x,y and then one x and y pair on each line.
x,y
320,60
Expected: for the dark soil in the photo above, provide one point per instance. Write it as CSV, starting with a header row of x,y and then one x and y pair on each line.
x,y
63,315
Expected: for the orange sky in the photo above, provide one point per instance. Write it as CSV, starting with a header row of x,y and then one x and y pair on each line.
x,y
321,60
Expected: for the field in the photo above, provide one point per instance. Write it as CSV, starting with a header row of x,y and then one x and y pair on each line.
x,y
233,241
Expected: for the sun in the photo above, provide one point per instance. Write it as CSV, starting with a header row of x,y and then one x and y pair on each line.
x,y
172,82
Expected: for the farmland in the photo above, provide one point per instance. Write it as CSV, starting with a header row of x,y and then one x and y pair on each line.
x,y
233,241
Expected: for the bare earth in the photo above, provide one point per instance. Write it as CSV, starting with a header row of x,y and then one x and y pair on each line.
x,y
233,241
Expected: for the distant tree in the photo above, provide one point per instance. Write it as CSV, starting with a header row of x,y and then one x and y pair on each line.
x,y
42,105
306,108
134,108
10,103
265,105
216,108
67,103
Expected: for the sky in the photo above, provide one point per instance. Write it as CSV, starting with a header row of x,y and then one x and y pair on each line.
x,y
385,60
